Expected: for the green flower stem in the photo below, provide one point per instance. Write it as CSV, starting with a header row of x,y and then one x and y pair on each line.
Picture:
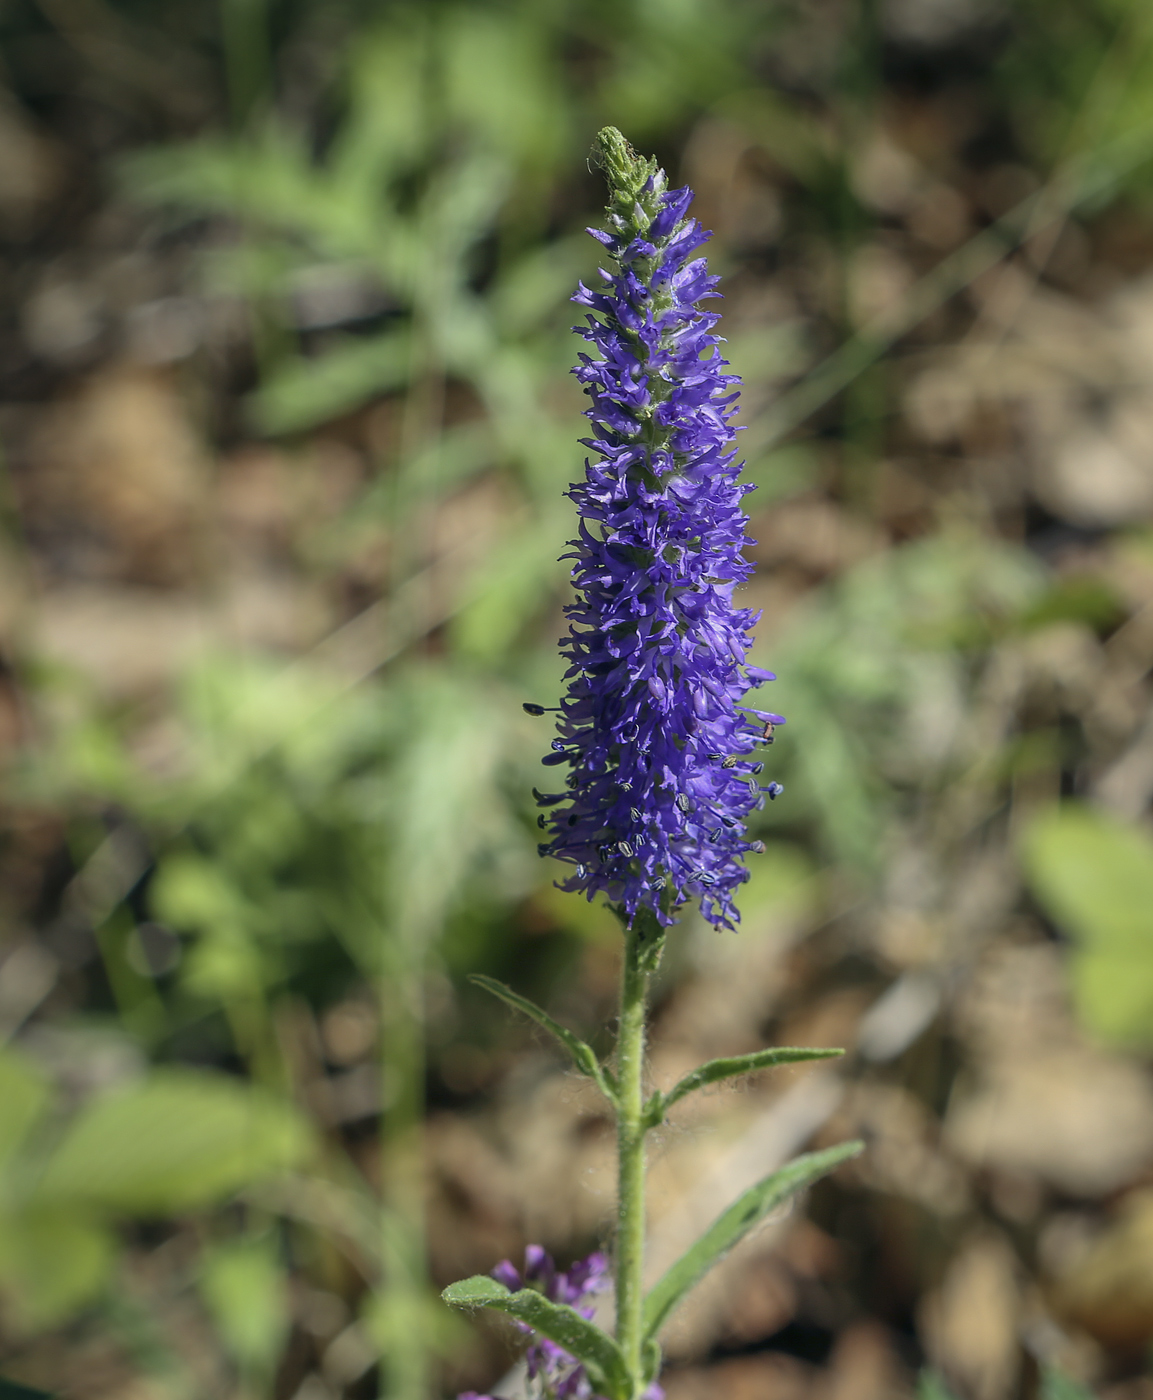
x,y
631,1128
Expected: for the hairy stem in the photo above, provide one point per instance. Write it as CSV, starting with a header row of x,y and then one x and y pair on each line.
x,y
631,1158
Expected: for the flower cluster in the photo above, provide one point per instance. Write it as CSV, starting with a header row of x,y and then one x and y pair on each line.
x,y
662,764
558,1376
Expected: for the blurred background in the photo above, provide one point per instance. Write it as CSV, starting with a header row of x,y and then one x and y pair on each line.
x,y
286,422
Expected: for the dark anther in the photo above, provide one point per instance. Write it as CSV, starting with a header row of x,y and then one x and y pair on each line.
x,y
712,757
541,822
531,709
730,762
543,849
558,744
635,814
757,847
730,822
758,768
683,802
624,848
715,834
572,821
774,790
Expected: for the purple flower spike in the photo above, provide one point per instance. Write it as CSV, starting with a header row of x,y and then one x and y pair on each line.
x,y
661,757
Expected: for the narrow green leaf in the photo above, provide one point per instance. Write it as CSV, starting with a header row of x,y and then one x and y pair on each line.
x,y
716,1070
556,1321
733,1224
583,1056
480,1291
583,1339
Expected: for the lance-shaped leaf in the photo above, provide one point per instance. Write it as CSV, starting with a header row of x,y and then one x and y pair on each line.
x,y
583,1056
733,1224
716,1070
559,1323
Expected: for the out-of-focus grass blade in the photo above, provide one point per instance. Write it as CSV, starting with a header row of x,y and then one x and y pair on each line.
x,y
1083,180
306,392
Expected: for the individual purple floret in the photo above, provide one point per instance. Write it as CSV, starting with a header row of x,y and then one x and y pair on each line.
x,y
662,769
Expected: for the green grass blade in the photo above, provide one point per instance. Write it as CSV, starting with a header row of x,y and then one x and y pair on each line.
x,y
733,1224
303,393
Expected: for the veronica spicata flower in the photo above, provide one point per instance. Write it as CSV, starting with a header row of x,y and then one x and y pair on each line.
x,y
661,755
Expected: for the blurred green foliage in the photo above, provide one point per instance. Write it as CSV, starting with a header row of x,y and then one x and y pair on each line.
x,y
176,1141
1093,875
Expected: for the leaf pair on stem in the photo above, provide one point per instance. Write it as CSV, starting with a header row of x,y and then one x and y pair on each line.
x,y
602,1357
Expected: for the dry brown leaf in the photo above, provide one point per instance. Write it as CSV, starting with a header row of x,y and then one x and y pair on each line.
x,y
969,1323
1076,1118
1108,1289
770,1376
